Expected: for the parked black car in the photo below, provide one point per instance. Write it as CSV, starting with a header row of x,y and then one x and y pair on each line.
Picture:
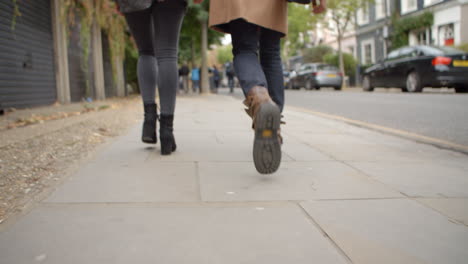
x,y
316,75
412,68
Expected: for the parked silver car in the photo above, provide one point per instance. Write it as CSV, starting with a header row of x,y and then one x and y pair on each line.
x,y
317,75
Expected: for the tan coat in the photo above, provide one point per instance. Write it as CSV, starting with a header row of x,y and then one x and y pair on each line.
x,y
272,14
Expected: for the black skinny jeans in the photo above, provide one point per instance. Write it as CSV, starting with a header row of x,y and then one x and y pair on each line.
x,y
156,32
248,41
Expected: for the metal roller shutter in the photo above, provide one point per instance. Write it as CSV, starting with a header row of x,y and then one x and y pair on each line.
x,y
27,74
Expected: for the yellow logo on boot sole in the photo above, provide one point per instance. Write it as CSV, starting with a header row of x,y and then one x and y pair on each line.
x,y
267,133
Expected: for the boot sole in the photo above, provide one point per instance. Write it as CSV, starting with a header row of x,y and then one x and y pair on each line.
x,y
149,140
267,148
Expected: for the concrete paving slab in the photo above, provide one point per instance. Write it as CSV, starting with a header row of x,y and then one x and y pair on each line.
x,y
204,235
338,139
391,231
455,208
422,179
303,121
204,146
366,152
299,151
222,113
237,181
137,182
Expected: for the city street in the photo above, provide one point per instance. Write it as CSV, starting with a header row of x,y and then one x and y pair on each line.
x,y
117,147
436,113
338,198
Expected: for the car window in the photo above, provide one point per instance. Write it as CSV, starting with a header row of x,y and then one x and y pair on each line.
x,y
406,52
393,55
431,51
325,67
450,50
439,50
305,67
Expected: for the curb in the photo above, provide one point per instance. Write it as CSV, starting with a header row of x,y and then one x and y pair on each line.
x,y
443,144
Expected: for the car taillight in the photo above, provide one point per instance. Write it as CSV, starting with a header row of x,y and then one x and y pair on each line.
x,y
441,61
340,74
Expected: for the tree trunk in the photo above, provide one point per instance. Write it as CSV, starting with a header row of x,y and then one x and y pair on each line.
x,y
192,61
204,88
341,61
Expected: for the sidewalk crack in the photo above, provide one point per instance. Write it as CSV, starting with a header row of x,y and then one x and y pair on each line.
x,y
324,233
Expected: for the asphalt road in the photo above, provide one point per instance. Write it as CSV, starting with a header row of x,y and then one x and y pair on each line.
x,y
436,113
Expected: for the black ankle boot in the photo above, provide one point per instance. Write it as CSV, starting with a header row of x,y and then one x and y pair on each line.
x,y
166,135
149,125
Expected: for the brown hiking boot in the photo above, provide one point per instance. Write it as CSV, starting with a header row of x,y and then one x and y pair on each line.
x,y
266,118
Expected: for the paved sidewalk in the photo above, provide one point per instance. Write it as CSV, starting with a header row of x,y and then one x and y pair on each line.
x,y
342,195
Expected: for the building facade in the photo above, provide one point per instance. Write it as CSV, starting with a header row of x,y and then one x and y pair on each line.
x,y
373,31
449,28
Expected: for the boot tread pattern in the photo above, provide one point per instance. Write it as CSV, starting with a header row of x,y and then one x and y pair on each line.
x,y
267,148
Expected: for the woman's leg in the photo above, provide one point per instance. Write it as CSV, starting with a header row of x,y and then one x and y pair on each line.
x,y
140,26
270,59
264,112
245,50
167,18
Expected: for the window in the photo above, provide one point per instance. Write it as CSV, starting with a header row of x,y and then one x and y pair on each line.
x,y
431,2
380,8
446,35
351,50
363,15
421,37
367,52
408,6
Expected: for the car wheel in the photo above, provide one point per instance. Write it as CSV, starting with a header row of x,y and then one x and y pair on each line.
x,y
413,83
404,90
461,89
367,85
337,88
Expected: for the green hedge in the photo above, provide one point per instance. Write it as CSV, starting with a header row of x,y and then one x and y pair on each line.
x,y
349,62
403,26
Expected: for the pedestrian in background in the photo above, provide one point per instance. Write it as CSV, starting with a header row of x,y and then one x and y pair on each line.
x,y
230,73
184,72
256,39
195,76
155,26
216,76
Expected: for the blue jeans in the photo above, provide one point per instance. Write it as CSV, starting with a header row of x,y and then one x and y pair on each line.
x,y
195,85
250,40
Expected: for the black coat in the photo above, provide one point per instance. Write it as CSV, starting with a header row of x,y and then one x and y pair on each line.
x,y
127,6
